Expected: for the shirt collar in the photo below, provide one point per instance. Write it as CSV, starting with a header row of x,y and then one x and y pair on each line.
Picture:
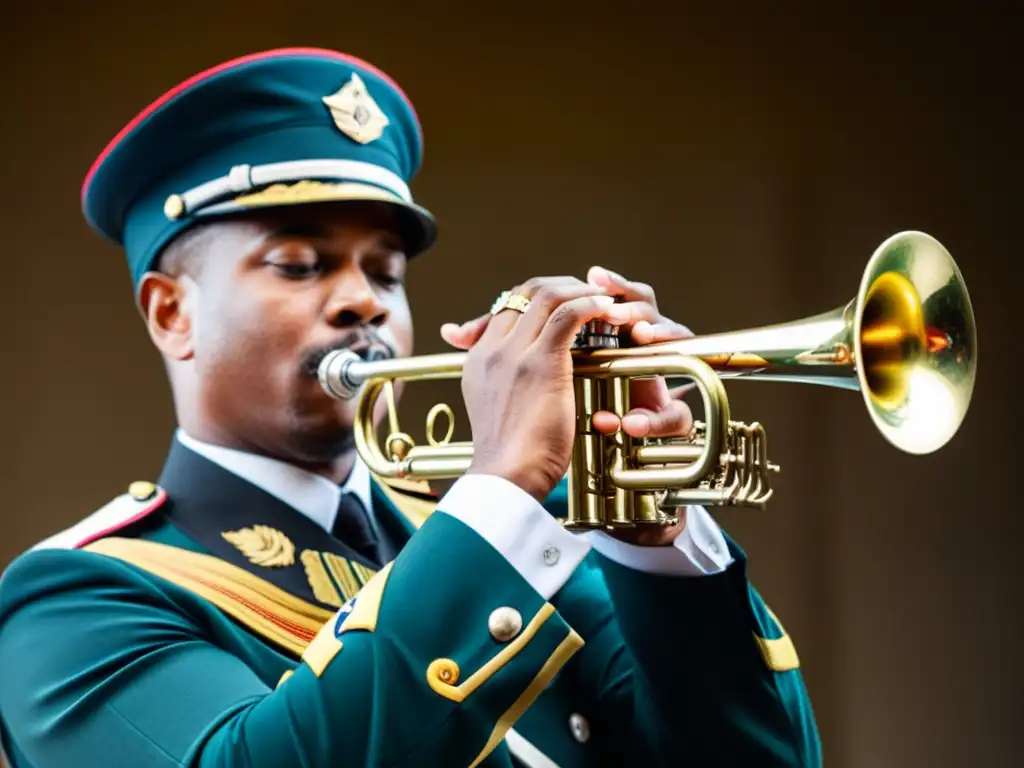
x,y
313,495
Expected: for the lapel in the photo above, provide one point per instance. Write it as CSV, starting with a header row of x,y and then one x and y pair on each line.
x,y
246,527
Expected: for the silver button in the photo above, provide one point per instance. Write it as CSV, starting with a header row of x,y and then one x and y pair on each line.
x,y
580,727
504,623
551,555
714,548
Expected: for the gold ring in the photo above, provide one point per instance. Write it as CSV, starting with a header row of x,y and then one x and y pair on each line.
x,y
509,300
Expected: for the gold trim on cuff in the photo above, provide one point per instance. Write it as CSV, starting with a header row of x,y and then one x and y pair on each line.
x,y
565,650
458,693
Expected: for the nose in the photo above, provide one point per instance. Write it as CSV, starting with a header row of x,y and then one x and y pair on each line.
x,y
353,302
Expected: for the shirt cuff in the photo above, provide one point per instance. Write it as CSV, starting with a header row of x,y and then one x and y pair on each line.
x,y
519,527
700,550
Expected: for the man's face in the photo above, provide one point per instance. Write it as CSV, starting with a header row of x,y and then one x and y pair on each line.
x,y
275,292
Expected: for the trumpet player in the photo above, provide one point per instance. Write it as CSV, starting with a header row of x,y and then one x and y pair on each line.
x,y
267,601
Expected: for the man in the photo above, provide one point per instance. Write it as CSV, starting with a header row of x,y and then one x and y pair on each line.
x,y
268,602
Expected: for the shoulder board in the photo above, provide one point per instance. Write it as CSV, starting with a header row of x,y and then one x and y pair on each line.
x,y
141,500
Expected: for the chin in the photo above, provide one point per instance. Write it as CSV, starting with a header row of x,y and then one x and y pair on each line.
x,y
321,446
323,432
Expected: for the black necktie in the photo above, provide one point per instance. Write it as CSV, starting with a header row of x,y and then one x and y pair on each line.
x,y
352,528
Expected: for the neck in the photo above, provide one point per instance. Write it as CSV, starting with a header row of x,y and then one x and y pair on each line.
x,y
337,470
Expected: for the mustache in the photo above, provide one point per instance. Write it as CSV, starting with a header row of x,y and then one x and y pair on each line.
x,y
368,343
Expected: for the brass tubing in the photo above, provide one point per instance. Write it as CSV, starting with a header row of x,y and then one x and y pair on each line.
x,y
666,454
586,468
620,511
716,410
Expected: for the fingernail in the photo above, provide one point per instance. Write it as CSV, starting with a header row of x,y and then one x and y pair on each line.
x,y
605,302
615,275
639,424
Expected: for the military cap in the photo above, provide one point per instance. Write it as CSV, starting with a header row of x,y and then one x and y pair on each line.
x,y
280,127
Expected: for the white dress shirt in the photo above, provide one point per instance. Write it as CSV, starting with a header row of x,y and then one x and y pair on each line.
x,y
311,494
503,514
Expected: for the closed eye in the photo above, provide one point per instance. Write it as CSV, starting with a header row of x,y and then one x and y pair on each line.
x,y
388,281
297,270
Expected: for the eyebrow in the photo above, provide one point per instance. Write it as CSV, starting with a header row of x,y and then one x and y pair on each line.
x,y
314,230
307,229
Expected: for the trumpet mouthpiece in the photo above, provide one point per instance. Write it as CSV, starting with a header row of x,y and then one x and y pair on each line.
x,y
378,351
335,374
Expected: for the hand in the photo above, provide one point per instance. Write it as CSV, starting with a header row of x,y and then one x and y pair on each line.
x,y
655,410
517,381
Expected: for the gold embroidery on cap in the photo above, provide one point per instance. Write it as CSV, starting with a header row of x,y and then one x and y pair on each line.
x,y
355,112
263,546
313,192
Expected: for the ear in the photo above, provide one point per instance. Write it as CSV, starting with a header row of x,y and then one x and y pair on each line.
x,y
165,306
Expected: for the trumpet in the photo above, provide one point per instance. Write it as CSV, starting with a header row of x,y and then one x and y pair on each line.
x,y
907,341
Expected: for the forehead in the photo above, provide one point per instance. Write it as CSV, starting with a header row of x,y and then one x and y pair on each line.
x,y
322,221
328,220
225,240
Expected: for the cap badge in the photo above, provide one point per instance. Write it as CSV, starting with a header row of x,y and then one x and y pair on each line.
x,y
263,546
355,112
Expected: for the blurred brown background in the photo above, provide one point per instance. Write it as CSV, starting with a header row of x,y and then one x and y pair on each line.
x,y
744,162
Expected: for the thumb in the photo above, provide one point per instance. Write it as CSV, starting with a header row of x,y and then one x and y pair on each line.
x,y
467,334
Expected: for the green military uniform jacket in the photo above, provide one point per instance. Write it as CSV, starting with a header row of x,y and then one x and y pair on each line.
x,y
200,621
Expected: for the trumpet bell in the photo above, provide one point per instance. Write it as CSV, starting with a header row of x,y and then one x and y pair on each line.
x,y
915,342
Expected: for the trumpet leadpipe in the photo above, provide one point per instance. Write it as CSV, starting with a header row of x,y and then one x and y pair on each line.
x,y
343,373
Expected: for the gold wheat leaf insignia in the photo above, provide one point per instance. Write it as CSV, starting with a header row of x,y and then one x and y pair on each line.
x,y
263,545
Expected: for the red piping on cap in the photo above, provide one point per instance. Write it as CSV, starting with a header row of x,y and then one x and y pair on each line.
x,y
195,79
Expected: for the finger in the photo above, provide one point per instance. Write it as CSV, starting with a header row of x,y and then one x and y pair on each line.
x,y
605,422
633,312
650,392
617,285
505,321
467,334
565,321
682,390
675,419
546,297
661,329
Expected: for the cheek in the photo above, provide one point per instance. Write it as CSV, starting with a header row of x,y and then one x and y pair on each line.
x,y
248,334
400,325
